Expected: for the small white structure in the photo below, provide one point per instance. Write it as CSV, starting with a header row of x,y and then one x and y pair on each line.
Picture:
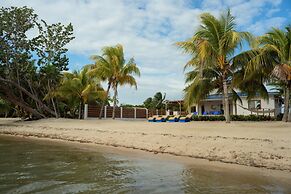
x,y
212,105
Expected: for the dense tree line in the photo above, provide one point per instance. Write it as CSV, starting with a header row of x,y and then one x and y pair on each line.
x,y
32,56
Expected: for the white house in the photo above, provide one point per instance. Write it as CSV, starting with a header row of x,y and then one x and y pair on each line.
x,y
212,105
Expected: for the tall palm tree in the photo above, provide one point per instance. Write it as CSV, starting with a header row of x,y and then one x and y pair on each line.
x,y
212,48
79,85
272,56
112,68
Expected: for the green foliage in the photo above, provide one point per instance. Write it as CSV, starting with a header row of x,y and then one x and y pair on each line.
x,y
234,118
157,102
112,68
208,118
77,89
4,106
30,66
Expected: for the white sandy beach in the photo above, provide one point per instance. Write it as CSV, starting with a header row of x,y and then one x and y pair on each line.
x,y
258,144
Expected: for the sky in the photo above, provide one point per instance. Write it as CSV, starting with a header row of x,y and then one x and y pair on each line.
x,y
148,30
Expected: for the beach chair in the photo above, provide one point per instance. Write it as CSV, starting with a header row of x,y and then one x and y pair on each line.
x,y
174,118
186,118
162,118
153,118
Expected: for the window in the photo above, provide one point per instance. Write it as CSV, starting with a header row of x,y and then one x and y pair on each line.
x,y
254,104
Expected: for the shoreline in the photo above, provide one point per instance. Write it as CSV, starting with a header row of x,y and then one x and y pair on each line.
x,y
196,163
135,140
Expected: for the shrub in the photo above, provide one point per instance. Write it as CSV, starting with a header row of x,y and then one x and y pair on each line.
x,y
279,117
234,118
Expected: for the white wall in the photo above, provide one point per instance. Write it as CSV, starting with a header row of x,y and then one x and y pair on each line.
x,y
265,104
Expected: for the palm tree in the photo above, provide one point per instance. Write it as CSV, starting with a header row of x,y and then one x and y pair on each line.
x,y
212,48
79,85
112,67
272,56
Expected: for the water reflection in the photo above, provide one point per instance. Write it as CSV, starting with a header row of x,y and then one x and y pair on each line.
x,y
39,167
205,180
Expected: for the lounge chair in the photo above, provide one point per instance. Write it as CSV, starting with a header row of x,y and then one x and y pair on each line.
x,y
174,118
162,118
186,118
153,118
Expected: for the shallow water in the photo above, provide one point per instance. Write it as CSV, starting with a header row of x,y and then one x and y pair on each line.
x,y
45,167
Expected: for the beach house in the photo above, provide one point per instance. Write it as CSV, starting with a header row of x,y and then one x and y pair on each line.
x,y
212,105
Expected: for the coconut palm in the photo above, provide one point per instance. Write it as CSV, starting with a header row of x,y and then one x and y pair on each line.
x,y
79,85
212,48
272,56
112,68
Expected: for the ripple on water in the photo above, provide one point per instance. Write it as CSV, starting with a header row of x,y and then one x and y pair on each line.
x,y
34,167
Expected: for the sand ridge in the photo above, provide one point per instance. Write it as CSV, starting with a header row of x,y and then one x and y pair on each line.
x,y
258,144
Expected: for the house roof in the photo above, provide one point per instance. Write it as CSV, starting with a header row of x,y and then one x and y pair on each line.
x,y
219,96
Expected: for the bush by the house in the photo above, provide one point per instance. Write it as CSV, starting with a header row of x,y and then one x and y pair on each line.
x,y
234,118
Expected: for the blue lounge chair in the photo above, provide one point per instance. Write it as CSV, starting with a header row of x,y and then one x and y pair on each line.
x,y
153,118
162,118
174,118
186,118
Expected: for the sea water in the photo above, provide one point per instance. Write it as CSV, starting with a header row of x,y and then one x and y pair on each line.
x,y
28,166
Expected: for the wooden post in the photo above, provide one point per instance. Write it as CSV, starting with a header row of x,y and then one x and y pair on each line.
x,y
134,113
147,113
105,111
121,109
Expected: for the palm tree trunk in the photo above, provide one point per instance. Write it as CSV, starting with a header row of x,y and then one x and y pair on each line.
x,y
286,104
114,101
288,97
103,103
80,110
226,102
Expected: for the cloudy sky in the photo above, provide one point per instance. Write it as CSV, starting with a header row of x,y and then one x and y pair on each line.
x,y
148,30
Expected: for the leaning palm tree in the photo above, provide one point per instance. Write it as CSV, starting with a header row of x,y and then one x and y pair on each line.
x,y
212,48
112,67
79,85
272,56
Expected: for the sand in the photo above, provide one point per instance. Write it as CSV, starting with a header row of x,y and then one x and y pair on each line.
x,y
257,144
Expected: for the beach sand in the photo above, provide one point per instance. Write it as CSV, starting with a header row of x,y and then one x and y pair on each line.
x,y
257,144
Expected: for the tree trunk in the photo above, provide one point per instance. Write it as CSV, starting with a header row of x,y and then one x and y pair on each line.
x,y
52,100
29,94
80,110
114,101
235,107
103,103
9,97
286,104
34,93
226,102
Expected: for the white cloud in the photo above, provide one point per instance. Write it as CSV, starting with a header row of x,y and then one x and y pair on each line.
x,y
260,27
147,29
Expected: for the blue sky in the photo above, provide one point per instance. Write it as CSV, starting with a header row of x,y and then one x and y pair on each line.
x,y
148,29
